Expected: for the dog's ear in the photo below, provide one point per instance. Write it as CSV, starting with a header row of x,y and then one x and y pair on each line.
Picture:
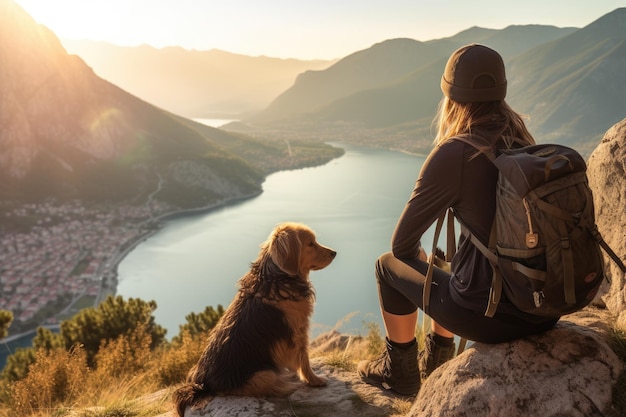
x,y
284,249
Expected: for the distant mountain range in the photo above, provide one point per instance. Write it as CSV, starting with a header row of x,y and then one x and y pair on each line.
x,y
388,70
200,84
67,133
571,82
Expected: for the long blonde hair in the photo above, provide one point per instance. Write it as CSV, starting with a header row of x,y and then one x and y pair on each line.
x,y
490,120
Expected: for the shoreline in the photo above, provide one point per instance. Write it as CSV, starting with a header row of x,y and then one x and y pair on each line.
x,y
159,221
206,209
109,274
127,247
179,214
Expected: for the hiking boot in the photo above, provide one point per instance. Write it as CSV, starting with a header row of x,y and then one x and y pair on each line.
x,y
433,356
395,369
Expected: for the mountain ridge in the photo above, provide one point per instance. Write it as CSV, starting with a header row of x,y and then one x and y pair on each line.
x,y
555,74
193,83
387,62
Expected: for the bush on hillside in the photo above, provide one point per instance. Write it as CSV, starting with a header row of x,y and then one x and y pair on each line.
x,y
171,364
126,363
6,318
197,324
113,318
55,377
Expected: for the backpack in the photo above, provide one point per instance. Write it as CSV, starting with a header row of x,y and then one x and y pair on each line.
x,y
544,246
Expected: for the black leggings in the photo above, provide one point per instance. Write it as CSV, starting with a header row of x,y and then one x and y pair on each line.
x,y
400,289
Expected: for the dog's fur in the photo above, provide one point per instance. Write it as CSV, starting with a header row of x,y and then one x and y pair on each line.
x,y
262,338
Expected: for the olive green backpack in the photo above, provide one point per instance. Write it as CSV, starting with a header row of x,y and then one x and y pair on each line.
x,y
544,246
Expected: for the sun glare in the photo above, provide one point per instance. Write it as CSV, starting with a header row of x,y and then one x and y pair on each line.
x,y
77,19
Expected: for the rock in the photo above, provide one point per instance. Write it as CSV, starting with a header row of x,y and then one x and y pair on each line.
x,y
567,371
607,179
346,395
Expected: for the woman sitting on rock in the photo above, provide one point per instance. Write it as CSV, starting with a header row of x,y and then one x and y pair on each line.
x,y
454,175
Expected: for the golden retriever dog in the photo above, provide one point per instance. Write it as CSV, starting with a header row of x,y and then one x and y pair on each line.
x,y
262,339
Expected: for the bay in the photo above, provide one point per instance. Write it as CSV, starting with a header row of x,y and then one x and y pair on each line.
x,y
352,203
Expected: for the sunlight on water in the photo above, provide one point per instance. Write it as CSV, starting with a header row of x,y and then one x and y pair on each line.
x,y
215,122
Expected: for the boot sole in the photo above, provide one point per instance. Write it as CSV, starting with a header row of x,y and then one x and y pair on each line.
x,y
387,387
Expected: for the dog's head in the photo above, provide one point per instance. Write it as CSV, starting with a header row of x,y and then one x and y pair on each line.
x,y
294,249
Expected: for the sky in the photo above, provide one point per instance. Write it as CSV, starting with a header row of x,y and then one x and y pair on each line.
x,y
303,29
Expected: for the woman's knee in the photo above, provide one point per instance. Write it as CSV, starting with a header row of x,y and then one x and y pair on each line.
x,y
382,265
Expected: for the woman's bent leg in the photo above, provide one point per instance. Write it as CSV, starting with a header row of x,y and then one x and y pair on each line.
x,y
396,368
396,279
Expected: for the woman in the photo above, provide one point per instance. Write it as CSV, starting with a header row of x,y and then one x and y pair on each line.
x,y
454,175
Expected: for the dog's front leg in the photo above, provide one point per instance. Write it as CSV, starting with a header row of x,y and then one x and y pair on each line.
x,y
305,372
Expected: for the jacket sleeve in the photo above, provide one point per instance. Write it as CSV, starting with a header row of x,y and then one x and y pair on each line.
x,y
436,189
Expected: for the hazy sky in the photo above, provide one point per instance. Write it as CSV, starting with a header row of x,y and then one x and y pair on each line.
x,y
304,29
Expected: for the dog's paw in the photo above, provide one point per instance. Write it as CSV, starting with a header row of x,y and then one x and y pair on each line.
x,y
316,381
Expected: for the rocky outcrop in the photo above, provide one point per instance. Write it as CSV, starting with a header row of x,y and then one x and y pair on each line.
x,y
345,395
607,179
568,371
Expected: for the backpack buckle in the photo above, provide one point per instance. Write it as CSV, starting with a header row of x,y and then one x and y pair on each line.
x,y
538,297
565,243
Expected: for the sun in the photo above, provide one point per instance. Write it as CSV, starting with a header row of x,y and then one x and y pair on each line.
x,y
77,19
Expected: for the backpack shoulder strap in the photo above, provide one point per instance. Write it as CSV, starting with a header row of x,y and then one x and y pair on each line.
x,y
598,237
431,266
450,252
495,293
475,142
483,146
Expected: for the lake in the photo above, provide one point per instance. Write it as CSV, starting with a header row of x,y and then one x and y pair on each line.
x,y
352,203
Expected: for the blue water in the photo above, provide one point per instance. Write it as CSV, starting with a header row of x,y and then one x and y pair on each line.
x,y
352,203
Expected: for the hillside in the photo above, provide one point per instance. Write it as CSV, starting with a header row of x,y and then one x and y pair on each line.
x,y
67,133
569,81
573,88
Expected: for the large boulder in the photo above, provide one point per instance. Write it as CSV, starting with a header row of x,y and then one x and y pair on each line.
x,y
607,179
567,371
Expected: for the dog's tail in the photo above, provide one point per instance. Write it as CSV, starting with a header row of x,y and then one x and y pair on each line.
x,y
189,395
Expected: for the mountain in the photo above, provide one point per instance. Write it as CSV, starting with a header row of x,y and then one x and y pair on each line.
x,y
386,65
190,82
573,88
67,133
569,81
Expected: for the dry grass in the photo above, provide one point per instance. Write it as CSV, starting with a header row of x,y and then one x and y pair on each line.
x,y
57,377
171,364
127,372
61,384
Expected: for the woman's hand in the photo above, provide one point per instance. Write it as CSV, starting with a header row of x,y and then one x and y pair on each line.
x,y
422,255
